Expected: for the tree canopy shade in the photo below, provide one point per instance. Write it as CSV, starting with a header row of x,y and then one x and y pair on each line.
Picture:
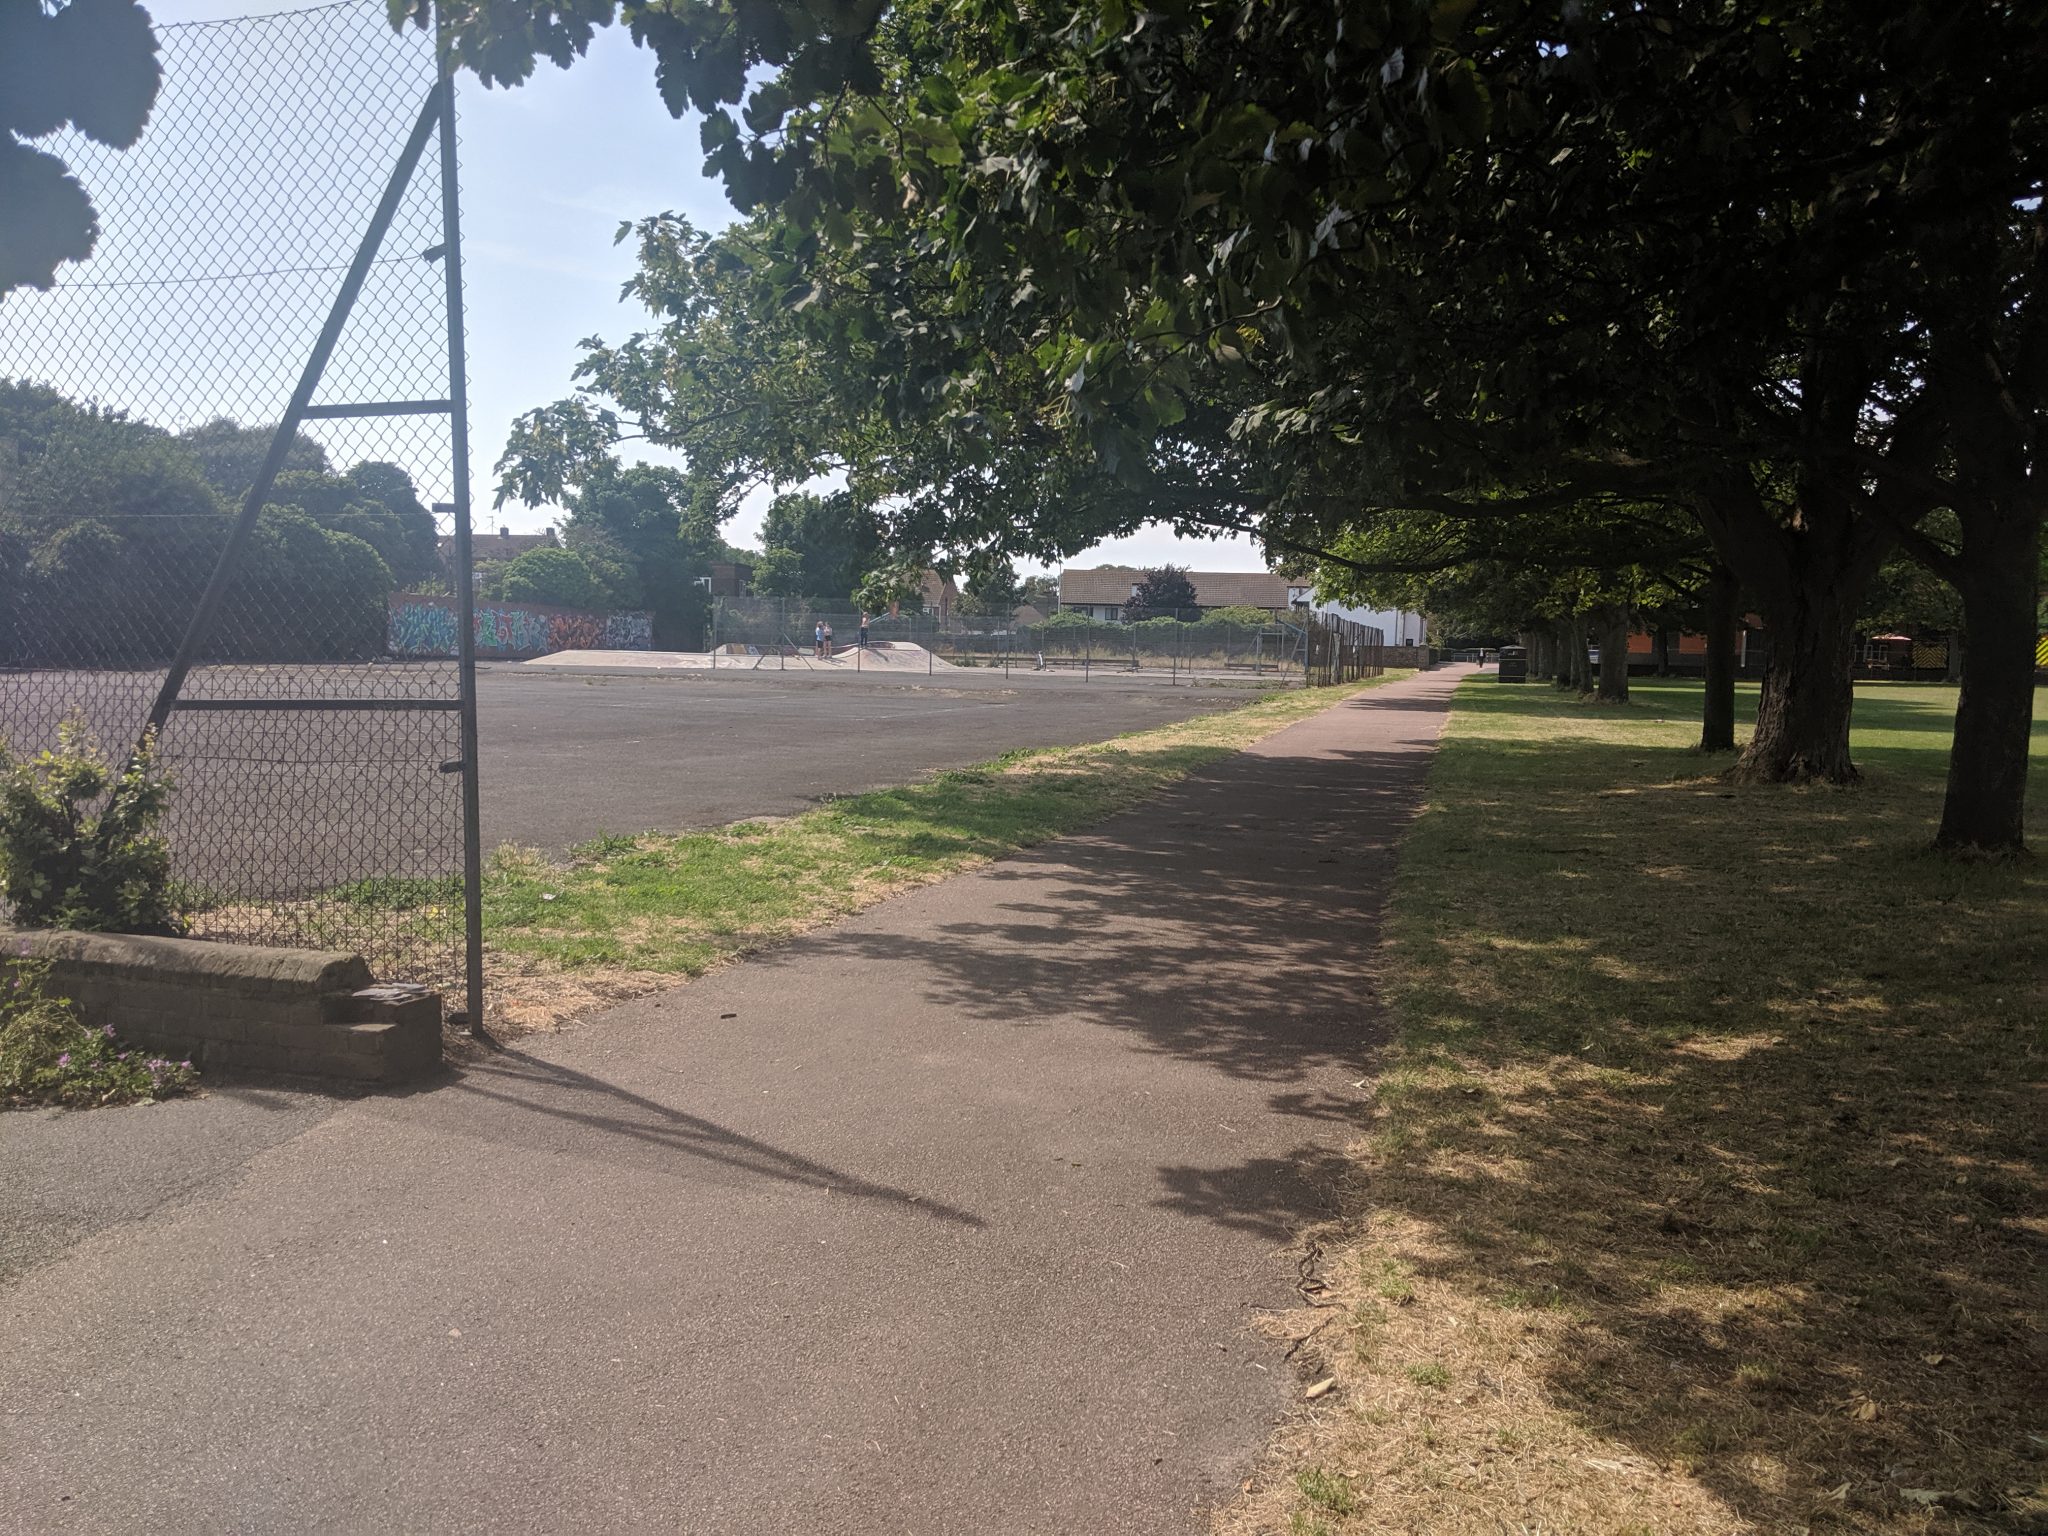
x,y
90,65
1033,276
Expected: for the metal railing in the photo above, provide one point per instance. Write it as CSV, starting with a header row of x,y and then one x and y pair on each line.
x,y
1190,647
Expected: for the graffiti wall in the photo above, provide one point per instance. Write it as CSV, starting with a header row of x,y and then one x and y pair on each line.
x,y
425,626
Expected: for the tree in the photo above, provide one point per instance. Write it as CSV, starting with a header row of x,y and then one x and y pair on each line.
x,y
836,542
558,576
90,65
1165,592
229,454
1775,264
650,533
993,591
375,503
109,531
779,572
1041,592
889,587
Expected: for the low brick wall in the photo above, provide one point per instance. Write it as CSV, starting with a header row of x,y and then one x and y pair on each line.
x,y
306,1012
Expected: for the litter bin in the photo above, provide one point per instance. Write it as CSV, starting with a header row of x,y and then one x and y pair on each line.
x,y
1514,664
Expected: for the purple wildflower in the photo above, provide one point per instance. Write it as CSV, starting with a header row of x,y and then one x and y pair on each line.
x,y
64,1060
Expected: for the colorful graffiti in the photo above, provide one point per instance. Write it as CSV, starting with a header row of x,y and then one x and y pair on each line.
x,y
629,632
421,629
425,626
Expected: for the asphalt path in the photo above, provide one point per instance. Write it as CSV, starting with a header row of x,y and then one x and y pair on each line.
x,y
950,1218
567,756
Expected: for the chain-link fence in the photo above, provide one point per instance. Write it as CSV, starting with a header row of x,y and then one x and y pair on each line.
x,y
1184,647
1190,646
225,442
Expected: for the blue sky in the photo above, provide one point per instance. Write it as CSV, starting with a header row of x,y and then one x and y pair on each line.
x,y
549,171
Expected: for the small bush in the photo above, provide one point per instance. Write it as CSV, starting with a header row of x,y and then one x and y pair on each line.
x,y
48,1056
65,864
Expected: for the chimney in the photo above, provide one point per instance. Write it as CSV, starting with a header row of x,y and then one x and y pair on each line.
x,y
504,532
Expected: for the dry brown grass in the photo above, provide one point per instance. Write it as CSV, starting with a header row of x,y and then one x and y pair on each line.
x,y
1704,1189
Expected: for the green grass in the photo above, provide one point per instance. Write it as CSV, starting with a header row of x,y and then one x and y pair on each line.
x,y
1713,1126
679,904
1326,1491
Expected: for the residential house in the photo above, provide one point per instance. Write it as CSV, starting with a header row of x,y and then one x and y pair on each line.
x,y
730,578
941,595
1396,627
500,548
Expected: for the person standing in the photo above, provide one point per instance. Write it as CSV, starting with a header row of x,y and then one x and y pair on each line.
x,y
863,631
818,639
828,640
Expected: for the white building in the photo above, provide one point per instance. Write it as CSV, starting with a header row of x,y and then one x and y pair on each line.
x,y
1397,627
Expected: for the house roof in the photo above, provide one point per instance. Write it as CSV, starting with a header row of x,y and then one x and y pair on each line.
x,y
496,548
1110,585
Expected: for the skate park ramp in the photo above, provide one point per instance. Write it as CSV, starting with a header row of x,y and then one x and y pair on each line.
x,y
883,656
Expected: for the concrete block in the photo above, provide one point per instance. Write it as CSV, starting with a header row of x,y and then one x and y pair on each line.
x,y
307,1012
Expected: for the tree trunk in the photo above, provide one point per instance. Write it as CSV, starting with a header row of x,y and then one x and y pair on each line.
x,y
1808,565
1614,632
1569,674
1802,720
1954,674
1582,664
1717,719
1984,810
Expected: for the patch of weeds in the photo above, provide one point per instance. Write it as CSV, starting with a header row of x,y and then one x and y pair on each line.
x,y
1758,1376
1432,1374
1302,1523
1517,1298
397,893
49,1056
606,845
1368,1320
1326,1490
1393,1283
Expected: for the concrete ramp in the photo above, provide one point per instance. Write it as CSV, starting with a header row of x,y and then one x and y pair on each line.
x,y
888,656
882,656
626,661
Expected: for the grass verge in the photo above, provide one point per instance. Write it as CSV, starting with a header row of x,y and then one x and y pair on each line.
x,y
625,915
1704,1191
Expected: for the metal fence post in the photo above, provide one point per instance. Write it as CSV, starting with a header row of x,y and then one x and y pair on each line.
x,y
458,397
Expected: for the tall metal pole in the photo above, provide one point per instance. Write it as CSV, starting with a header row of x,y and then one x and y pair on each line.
x,y
465,585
